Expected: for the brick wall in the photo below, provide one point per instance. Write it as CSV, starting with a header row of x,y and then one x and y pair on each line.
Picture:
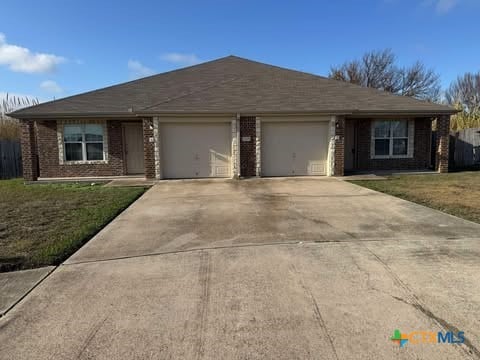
x,y
49,157
29,150
339,146
149,148
248,148
421,152
443,143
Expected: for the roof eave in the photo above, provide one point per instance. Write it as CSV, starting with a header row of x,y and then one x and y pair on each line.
x,y
244,112
366,113
113,115
109,115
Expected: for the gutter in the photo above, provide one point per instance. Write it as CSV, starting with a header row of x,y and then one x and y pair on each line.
x,y
54,116
133,114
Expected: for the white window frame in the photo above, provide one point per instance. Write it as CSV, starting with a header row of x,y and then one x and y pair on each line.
x,y
61,143
410,140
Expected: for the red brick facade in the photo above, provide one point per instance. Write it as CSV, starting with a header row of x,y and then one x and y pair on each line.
x,y
148,148
339,147
40,149
443,143
29,150
247,148
48,153
421,152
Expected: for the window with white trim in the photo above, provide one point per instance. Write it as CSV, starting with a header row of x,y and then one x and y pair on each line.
x,y
392,139
83,142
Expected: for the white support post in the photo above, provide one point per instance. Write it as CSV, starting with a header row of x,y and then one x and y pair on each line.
x,y
258,147
331,147
235,148
156,135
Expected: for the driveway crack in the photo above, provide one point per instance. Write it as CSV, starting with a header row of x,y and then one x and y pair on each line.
x,y
204,278
416,303
316,309
91,335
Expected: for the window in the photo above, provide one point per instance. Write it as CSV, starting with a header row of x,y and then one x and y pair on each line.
x,y
391,139
83,142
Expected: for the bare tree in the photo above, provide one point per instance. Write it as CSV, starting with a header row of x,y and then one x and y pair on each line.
x,y
349,72
420,82
465,91
378,69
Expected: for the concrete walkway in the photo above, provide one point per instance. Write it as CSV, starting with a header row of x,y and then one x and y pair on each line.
x,y
17,284
267,269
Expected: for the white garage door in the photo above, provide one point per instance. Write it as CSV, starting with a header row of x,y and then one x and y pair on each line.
x,y
290,149
195,150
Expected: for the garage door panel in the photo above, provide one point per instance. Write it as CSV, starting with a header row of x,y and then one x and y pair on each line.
x,y
195,150
290,149
220,164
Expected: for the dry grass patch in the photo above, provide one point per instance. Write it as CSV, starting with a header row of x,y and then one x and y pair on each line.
x,y
455,193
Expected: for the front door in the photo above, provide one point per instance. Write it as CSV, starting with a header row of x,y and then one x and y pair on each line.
x,y
133,135
350,145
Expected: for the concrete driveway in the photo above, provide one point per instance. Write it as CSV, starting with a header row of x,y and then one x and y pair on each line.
x,y
270,268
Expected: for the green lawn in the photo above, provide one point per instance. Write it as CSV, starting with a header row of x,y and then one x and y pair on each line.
x,y
44,224
454,193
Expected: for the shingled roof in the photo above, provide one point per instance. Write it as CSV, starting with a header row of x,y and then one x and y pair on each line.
x,y
232,85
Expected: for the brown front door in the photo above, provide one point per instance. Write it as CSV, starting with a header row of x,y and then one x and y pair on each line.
x,y
133,135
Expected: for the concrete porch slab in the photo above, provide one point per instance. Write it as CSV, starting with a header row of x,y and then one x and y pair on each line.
x,y
131,182
90,179
383,174
362,177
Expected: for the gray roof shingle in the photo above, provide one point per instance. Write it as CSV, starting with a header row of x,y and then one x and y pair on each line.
x,y
231,85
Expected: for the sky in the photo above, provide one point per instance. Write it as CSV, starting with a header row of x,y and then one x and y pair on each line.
x,y
66,47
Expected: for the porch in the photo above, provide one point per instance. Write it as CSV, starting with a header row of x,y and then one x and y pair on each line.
x,y
395,145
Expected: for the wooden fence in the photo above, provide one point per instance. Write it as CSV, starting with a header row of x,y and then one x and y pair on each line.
x,y
10,159
465,148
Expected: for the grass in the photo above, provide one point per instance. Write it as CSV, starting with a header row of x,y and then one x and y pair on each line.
x,y
454,193
44,224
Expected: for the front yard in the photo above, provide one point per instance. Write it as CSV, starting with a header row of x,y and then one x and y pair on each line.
x,y
454,193
44,224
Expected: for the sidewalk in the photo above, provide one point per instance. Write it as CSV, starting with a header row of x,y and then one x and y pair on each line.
x,y
16,284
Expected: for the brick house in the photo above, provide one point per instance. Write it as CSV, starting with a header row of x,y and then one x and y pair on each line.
x,y
231,117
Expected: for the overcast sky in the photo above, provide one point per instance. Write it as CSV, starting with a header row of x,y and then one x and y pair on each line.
x,y
66,47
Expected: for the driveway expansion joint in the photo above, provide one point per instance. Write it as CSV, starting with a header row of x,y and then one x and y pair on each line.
x,y
351,240
7,310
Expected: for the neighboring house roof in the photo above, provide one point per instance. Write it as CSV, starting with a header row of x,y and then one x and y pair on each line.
x,y
232,85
